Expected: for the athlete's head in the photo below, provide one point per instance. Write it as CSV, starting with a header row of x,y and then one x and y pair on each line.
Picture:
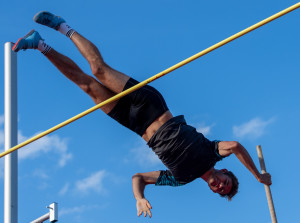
x,y
223,182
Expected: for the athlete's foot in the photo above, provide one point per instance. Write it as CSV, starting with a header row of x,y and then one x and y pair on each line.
x,y
29,41
48,19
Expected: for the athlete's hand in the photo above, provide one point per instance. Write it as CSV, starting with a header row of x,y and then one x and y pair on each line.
x,y
143,206
265,178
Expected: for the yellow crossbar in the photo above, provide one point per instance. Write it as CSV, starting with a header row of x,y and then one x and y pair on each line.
x,y
141,84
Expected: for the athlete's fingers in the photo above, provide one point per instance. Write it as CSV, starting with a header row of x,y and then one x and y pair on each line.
x,y
149,213
145,213
149,205
139,213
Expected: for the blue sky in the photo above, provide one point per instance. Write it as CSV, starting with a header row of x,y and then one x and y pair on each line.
x,y
247,91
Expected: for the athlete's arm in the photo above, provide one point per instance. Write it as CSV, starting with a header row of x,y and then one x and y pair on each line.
x,y
139,182
227,148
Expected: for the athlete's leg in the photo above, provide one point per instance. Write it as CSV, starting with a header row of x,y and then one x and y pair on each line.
x,y
88,84
112,79
91,86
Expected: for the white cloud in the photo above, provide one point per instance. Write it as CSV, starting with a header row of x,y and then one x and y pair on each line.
x,y
43,185
92,183
40,174
46,144
79,209
65,189
73,210
254,128
204,129
144,155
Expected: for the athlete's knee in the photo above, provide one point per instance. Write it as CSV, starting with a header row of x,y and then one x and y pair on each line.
x,y
99,68
89,86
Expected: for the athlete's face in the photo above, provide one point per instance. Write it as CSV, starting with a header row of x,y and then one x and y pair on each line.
x,y
220,182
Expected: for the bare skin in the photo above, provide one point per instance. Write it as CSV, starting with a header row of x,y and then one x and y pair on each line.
x,y
139,182
217,181
110,81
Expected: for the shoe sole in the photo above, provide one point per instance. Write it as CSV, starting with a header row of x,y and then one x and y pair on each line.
x,y
24,37
48,14
35,18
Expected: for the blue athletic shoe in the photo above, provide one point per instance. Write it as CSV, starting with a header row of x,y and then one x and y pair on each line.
x,y
29,41
48,19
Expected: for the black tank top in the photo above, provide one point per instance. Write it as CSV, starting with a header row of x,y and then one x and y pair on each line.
x,y
183,150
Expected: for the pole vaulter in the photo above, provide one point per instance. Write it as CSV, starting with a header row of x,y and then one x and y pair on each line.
x,y
159,75
186,153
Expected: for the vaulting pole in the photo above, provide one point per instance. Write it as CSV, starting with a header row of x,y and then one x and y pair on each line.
x,y
159,75
267,188
11,137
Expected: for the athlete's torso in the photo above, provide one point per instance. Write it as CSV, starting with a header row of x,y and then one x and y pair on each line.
x,y
156,125
183,150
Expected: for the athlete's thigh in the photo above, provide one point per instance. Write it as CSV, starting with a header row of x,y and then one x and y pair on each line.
x,y
99,93
112,79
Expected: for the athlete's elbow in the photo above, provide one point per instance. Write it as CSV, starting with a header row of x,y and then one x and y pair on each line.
x,y
235,146
138,177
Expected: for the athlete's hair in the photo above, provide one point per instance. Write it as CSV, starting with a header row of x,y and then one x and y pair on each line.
x,y
234,188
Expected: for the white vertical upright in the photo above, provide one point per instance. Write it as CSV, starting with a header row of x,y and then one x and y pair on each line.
x,y
11,138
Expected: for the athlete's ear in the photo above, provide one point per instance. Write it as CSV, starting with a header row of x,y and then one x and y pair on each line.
x,y
224,170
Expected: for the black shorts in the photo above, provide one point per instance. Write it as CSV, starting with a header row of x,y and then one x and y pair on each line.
x,y
139,109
